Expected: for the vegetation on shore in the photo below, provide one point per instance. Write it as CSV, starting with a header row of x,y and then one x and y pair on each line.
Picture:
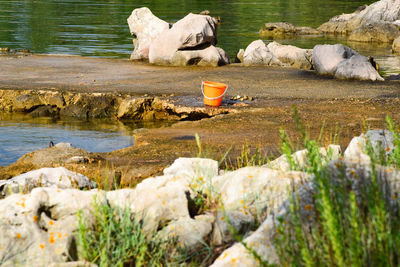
x,y
357,225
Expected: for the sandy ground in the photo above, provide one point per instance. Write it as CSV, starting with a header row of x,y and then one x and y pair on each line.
x,y
342,106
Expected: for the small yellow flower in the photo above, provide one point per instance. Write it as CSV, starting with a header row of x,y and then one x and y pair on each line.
x,y
35,218
51,239
163,202
18,235
51,222
59,235
41,246
387,149
308,207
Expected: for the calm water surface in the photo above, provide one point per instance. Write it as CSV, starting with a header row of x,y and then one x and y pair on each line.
x,y
22,134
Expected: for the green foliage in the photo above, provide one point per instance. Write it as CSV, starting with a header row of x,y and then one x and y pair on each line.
x,y
350,225
117,239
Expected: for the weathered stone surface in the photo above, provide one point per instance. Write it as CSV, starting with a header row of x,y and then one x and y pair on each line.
x,y
396,45
381,140
257,53
45,177
261,241
327,57
240,55
37,229
384,32
189,41
293,56
210,56
282,29
144,27
343,62
368,23
300,158
357,67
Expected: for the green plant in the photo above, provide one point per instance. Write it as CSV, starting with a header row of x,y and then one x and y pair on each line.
x,y
355,219
116,239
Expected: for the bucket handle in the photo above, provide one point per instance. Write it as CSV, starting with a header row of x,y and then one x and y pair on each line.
x,y
212,98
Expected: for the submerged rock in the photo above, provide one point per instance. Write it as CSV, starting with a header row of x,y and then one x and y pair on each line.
x,y
343,62
284,29
189,41
374,23
144,27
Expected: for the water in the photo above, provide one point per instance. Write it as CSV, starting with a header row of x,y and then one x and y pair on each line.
x,y
22,134
98,27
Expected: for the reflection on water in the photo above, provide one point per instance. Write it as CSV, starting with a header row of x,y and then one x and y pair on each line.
x,y
22,134
99,28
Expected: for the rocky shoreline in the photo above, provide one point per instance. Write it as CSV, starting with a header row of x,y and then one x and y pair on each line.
x,y
40,208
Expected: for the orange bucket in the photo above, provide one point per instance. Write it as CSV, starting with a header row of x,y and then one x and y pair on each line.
x,y
213,92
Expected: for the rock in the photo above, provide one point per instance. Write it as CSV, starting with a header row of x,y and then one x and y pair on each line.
x,y
396,45
37,229
327,57
45,177
191,233
257,53
78,160
63,145
210,56
240,55
190,41
241,222
192,168
275,54
300,158
369,23
284,29
144,26
291,55
381,140
25,103
383,32
343,62
261,241
357,67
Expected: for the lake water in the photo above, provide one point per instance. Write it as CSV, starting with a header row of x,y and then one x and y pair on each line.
x,y
21,134
98,28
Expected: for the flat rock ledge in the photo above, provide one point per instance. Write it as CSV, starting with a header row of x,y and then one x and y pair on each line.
x,y
39,225
100,105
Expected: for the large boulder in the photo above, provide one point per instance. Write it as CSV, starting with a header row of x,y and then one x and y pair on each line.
x,y
144,27
291,55
326,57
257,53
376,22
357,67
384,32
396,45
343,63
275,54
189,41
